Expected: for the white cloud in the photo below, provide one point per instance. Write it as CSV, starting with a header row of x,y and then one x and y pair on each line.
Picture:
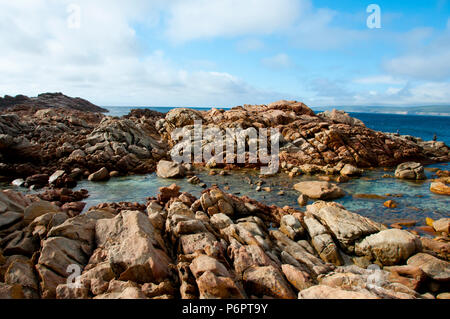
x,y
430,62
249,44
199,19
279,61
379,79
103,60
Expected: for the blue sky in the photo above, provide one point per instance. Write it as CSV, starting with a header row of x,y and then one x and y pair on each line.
x,y
227,52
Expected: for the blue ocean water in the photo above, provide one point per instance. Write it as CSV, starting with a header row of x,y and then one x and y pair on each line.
x,y
422,126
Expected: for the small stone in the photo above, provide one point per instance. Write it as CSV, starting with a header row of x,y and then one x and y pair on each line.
x,y
100,175
390,204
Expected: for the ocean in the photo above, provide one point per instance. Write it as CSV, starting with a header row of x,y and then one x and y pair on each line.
x,y
423,126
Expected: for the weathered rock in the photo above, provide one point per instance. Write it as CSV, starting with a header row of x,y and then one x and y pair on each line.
x,y
442,225
328,292
440,188
319,190
322,241
8,219
410,170
11,291
267,281
291,227
133,247
21,272
213,286
100,175
66,292
166,169
38,209
296,277
390,247
433,267
350,170
345,226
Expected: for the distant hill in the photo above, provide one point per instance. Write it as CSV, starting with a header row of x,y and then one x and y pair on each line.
x,y
439,110
50,100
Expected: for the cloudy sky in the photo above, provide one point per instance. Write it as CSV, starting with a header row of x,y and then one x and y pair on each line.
x,y
227,52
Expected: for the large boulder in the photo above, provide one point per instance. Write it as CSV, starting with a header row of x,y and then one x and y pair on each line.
x,y
133,246
410,170
319,190
167,169
389,247
182,116
345,226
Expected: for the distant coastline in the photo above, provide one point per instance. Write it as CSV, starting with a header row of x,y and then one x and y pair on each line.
x,y
430,110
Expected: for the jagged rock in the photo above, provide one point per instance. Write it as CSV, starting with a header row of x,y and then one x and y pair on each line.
x,y
322,241
410,170
291,227
390,247
319,190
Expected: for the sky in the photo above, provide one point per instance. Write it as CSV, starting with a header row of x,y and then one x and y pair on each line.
x,y
223,53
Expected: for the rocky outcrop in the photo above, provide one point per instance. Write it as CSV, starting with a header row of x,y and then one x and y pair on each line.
x,y
36,144
50,100
324,139
215,246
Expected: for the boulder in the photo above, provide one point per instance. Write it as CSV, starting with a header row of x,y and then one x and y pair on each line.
x,y
39,208
167,169
433,267
319,190
100,175
440,188
267,281
133,246
389,247
212,286
350,170
291,227
345,226
442,225
410,170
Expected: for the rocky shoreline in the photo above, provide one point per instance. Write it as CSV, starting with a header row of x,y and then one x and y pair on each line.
x,y
215,246
218,245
